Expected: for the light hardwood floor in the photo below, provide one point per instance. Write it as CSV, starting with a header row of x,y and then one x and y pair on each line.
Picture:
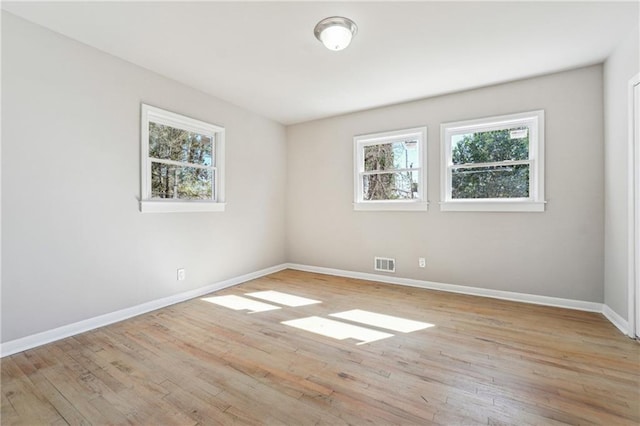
x,y
485,361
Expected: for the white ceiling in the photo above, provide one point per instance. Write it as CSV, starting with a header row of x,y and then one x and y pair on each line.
x,y
263,56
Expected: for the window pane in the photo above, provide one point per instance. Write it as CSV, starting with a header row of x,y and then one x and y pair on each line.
x,y
390,186
169,143
183,183
390,156
492,146
491,182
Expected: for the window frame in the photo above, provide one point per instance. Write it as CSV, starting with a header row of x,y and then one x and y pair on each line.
x,y
217,133
534,121
361,141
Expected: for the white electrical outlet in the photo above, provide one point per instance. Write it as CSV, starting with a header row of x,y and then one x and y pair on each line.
x,y
181,274
422,262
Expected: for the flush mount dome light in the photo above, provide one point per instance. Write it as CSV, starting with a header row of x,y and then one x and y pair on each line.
x,y
335,32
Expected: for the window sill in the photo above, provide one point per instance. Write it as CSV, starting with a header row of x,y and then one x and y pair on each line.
x,y
492,206
391,206
161,206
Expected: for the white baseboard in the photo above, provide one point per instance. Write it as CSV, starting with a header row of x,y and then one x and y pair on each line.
x,y
28,342
38,339
615,319
474,291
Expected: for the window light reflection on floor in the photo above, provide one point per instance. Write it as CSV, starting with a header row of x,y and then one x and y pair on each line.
x,y
282,298
323,326
337,330
239,303
389,322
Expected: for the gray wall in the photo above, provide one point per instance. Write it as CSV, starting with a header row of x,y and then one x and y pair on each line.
x,y
557,253
74,244
623,64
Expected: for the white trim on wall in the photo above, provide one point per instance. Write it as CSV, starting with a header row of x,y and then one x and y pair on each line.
x,y
452,288
22,344
557,302
633,191
148,204
615,319
360,142
534,122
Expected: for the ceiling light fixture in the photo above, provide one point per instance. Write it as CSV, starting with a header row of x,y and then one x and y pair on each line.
x,y
335,32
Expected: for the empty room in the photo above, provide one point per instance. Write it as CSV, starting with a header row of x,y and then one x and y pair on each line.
x,y
320,213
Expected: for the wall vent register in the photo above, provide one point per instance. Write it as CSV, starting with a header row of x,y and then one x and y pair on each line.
x,y
384,264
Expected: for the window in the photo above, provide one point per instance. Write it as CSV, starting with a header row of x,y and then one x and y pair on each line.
x,y
494,164
390,170
182,163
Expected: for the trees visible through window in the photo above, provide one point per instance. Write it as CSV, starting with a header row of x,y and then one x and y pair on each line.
x,y
389,169
182,162
494,161
493,164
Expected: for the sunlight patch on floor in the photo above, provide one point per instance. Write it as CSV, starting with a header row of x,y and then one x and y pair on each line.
x,y
282,298
323,326
389,322
239,303
337,330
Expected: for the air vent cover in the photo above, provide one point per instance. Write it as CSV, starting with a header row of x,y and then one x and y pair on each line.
x,y
384,264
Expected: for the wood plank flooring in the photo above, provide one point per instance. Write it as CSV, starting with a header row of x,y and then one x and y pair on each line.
x,y
484,361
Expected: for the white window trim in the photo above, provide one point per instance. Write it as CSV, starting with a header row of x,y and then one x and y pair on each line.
x,y
149,205
360,141
534,120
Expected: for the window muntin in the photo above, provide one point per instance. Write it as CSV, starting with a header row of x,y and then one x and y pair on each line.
x,y
182,161
494,164
389,170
